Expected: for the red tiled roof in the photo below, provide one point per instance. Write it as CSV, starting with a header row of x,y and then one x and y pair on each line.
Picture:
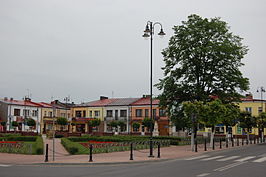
x,y
21,102
145,101
47,105
251,99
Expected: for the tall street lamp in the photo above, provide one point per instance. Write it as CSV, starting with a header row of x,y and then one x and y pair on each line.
x,y
261,90
148,33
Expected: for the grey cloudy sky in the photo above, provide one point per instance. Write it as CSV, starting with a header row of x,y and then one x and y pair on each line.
x,y
88,48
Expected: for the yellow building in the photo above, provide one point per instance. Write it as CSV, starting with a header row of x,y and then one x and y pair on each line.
x,y
49,115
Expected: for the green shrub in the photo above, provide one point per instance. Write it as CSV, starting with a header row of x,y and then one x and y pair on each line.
x,y
21,138
72,147
39,145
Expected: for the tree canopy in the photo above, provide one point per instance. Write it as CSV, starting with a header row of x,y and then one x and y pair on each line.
x,y
202,60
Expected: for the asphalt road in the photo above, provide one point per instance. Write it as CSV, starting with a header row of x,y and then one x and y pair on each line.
x,y
247,161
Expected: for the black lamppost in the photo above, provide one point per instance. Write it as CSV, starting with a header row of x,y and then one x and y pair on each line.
x,y
261,90
148,33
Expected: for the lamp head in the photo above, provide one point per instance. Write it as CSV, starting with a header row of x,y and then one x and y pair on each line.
x,y
147,29
161,33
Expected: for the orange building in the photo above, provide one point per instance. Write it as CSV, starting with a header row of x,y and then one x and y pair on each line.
x,y
141,109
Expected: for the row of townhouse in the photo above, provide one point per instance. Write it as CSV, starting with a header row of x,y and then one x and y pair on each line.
x,y
127,110
20,110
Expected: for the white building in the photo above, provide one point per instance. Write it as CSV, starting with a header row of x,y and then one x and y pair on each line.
x,y
20,111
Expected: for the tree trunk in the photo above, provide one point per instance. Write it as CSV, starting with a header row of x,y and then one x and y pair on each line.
x,y
212,137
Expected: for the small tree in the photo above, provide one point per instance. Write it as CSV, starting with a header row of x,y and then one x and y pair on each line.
x,y
113,124
247,122
213,113
231,117
31,123
122,125
262,123
15,125
4,125
62,121
94,122
147,122
136,126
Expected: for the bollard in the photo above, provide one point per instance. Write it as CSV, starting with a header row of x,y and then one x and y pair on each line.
x,y
250,141
247,141
237,142
254,140
131,151
232,142
213,144
227,143
90,160
151,148
242,142
159,151
46,153
205,144
220,143
196,145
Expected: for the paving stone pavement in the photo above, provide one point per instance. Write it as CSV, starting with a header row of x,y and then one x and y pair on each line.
x,y
62,156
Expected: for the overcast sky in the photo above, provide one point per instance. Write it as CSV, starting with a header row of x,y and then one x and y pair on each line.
x,y
88,48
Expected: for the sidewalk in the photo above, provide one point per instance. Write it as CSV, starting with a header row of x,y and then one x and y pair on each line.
x,y
62,156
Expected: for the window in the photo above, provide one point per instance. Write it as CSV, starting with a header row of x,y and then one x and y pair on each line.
x,y
50,114
146,112
84,113
26,112
63,115
34,113
109,113
154,113
138,112
45,113
78,113
116,114
96,113
16,112
123,113
162,112
259,109
90,113
249,109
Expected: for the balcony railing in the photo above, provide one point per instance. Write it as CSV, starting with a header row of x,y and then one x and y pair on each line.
x,y
115,118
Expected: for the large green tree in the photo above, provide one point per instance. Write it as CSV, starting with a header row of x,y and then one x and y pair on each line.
x,y
247,121
203,59
62,121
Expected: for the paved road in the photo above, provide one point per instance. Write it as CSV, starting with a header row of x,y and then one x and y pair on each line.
x,y
249,161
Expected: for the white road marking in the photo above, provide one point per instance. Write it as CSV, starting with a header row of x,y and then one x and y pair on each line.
x,y
203,174
198,157
229,166
212,158
3,165
245,158
228,158
260,159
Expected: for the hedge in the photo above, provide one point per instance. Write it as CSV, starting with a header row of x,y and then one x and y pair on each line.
x,y
39,145
72,147
19,138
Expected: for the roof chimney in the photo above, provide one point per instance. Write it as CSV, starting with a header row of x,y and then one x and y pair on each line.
x,y
249,96
11,99
103,97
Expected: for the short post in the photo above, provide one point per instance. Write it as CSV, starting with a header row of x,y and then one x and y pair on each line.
x,y
90,160
242,142
220,143
46,153
196,145
232,142
131,151
159,150
226,142
213,144
254,139
250,141
237,142
151,148
205,144
247,141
